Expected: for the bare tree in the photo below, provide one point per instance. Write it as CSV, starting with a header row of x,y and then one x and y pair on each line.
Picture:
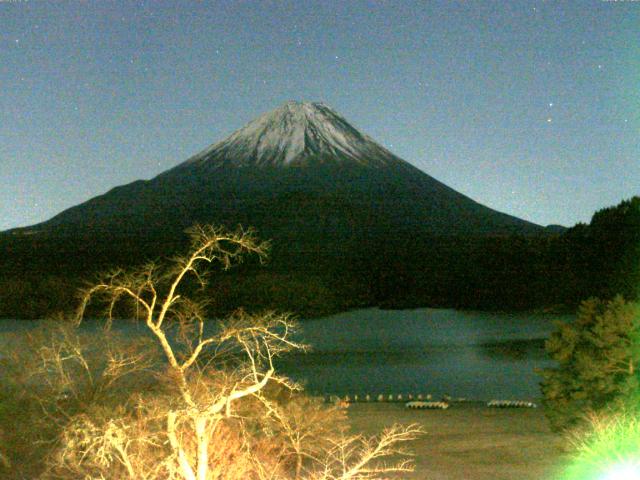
x,y
54,375
156,293
356,457
211,413
316,436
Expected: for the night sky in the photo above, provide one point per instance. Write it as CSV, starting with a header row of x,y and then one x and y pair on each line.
x,y
529,107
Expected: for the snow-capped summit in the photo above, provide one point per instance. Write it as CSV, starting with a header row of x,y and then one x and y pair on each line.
x,y
295,134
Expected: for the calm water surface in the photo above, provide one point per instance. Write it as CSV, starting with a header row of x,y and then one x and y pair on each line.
x,y
463,354
474,355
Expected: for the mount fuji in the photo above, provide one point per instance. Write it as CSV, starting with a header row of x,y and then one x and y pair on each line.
x,y
301,165
350,224
328,197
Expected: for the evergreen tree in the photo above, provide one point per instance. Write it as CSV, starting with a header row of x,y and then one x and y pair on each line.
x,y
597,358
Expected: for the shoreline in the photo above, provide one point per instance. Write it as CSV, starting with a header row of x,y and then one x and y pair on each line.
x,y
548,310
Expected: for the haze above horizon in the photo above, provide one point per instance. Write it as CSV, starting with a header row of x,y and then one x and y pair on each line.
x,y
531,108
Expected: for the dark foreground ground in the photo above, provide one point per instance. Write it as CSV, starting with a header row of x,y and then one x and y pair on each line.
x,y
470,441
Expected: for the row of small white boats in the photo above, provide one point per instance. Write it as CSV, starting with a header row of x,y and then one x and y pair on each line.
x,y
422,401
492,404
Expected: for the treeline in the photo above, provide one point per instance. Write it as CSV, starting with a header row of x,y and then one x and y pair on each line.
x,y
312,278
600,259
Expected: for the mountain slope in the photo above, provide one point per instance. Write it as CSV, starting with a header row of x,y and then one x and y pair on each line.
x,y
297,172
351,224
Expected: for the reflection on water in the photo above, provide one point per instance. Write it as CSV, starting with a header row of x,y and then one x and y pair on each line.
x,y
515,349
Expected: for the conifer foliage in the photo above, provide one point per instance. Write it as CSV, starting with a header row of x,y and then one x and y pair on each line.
x,y
597,358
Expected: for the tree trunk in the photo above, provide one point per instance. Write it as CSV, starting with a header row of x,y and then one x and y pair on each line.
x,y
203,445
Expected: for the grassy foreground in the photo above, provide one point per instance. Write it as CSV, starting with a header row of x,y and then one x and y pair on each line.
x,y
470,441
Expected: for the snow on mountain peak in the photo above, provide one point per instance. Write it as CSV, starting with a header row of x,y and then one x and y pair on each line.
x,y
296,133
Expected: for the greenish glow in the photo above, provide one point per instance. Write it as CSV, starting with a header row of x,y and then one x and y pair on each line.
x,y
609,450
623,471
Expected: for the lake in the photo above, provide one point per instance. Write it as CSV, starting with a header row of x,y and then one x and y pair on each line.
x,y
475,355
